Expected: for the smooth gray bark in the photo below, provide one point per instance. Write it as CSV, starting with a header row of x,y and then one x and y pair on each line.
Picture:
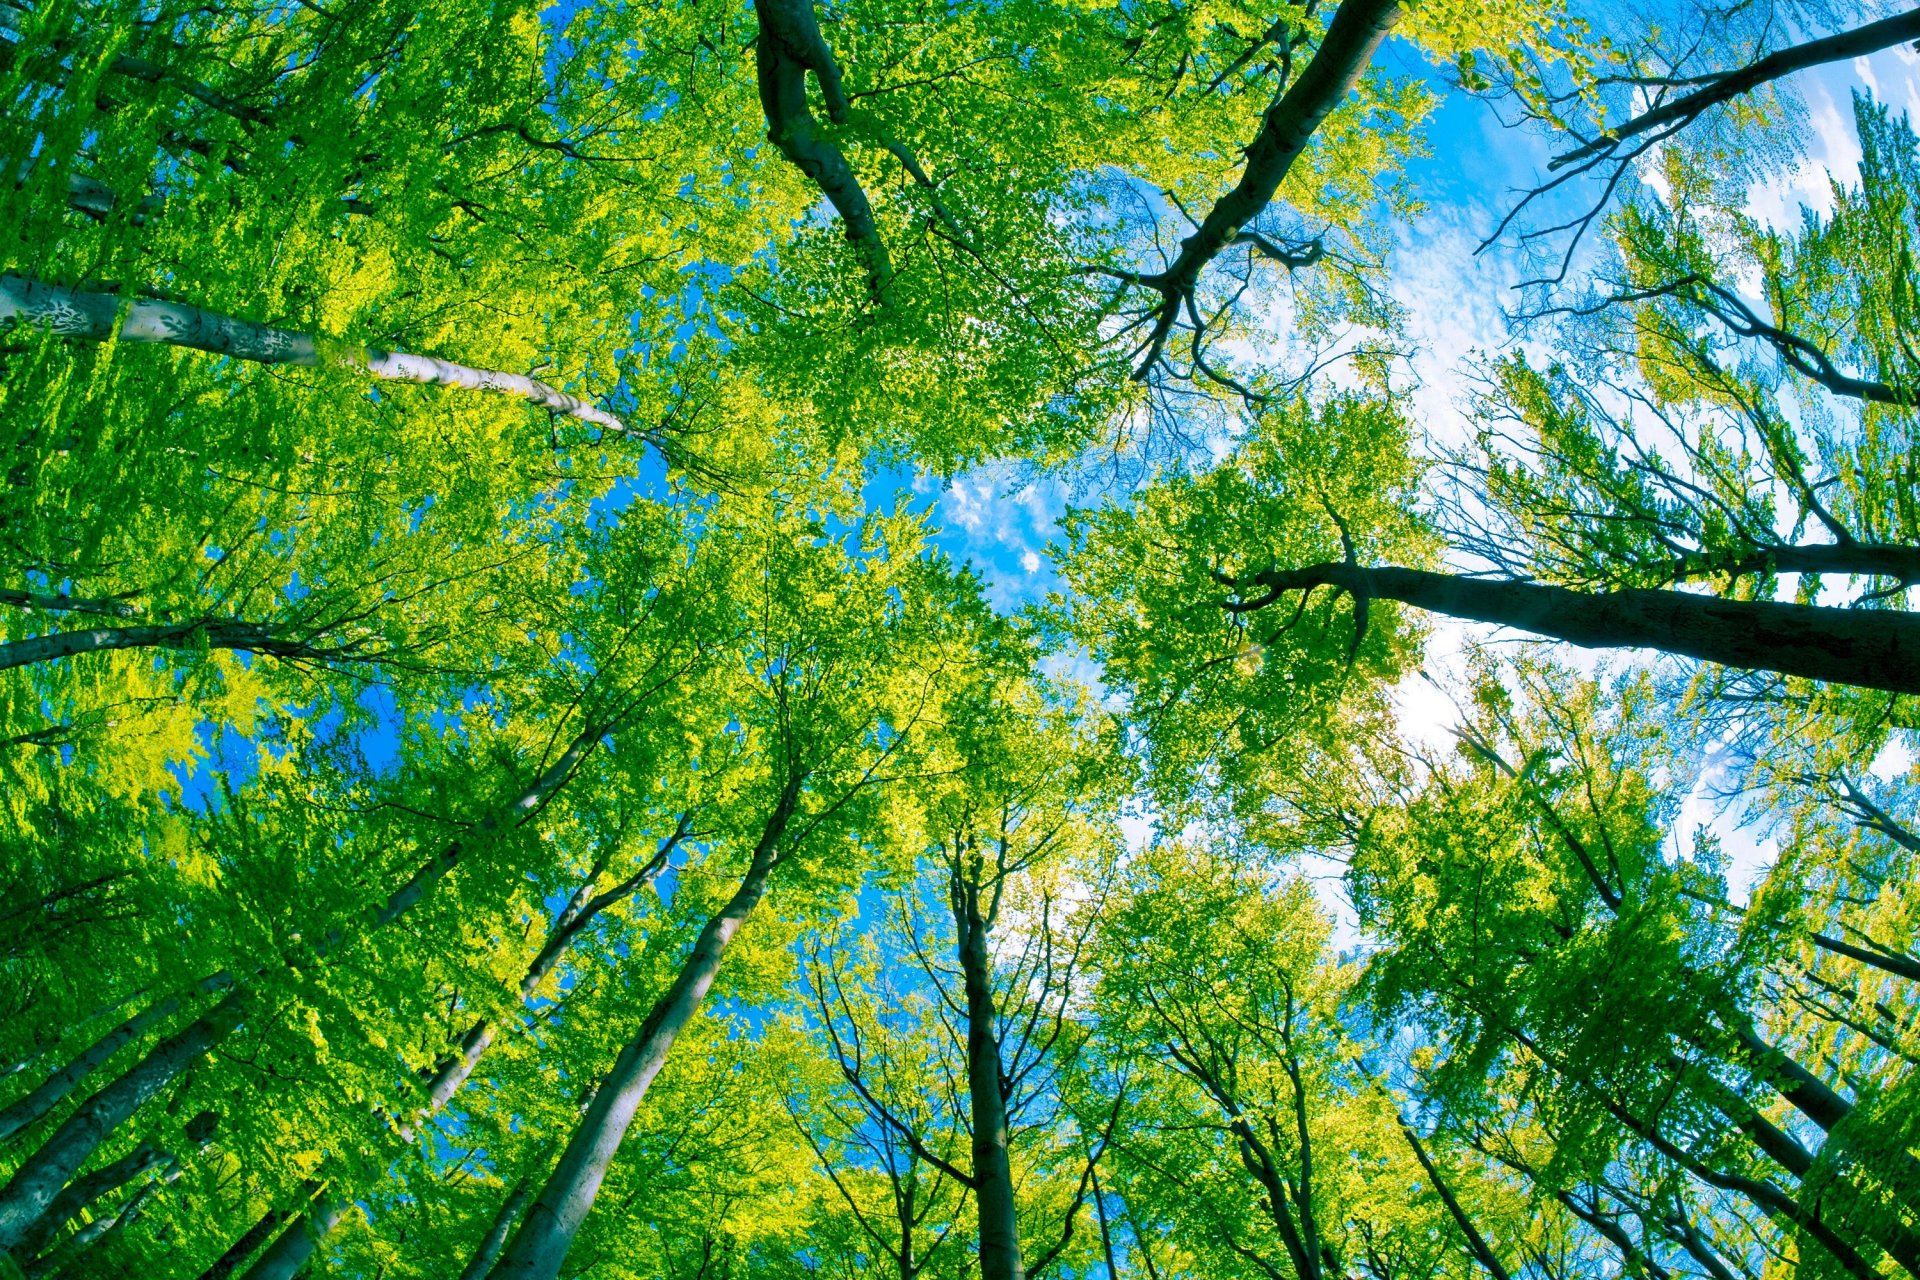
x,y
55,1088
84,1191
541,1244
488,1252
72,313
39,1179
297,1243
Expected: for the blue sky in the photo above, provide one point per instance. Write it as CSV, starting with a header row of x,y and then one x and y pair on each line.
x,y
1001,521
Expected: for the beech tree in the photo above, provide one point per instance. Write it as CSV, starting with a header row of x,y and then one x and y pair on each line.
x,y
508,769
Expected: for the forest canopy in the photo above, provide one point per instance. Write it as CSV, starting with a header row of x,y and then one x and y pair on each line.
x,y
535,741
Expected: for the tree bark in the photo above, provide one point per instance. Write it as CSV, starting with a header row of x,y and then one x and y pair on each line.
x,y
53,602
1872,648
54,1089
540,1246
1902,966
215,633
95,1232
84,1191
297,1243
1355,33
1000,1257
1476,1243
457,1068
491,1244
71,313
40,1177
791,45
250,1239
1843,47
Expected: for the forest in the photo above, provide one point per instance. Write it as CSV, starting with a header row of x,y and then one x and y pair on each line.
x,y
1021,639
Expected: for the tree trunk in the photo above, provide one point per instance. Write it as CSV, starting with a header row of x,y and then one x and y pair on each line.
x,y
84,1191
56,1087
1000,1257
1353,35
1873,648
215,633
71,313
496,1238
580,912
296,1244
1899,965
250,1239
541,1244
1477,1243
38,1180
95,1232
40,1177
790,45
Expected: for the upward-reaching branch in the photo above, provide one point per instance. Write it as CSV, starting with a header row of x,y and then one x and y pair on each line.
x,y
1357,29
72,313
1728,85
790,46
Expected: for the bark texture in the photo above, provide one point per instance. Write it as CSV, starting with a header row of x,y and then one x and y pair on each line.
x,y
540,1246
1000,1256
1286,130
72,313
790,46
55,1088
298,1242
40,1178
242,1249
1873,648
214,633
488,1252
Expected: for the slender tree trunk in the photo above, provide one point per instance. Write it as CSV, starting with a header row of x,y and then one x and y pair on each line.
x,y
1000,1257
541,1244
1901,966
1637,1261
1873,648
96,1232
791,45
1477,1243
40,1177
38,1180
92,316
297,1243
580,912
250,1239
57,1086
83,1191
215,633
495,1240
1354,34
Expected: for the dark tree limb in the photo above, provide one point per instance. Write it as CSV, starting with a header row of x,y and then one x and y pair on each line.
x,y
1802,355
1355,33
790,46
1726,86
1872,648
